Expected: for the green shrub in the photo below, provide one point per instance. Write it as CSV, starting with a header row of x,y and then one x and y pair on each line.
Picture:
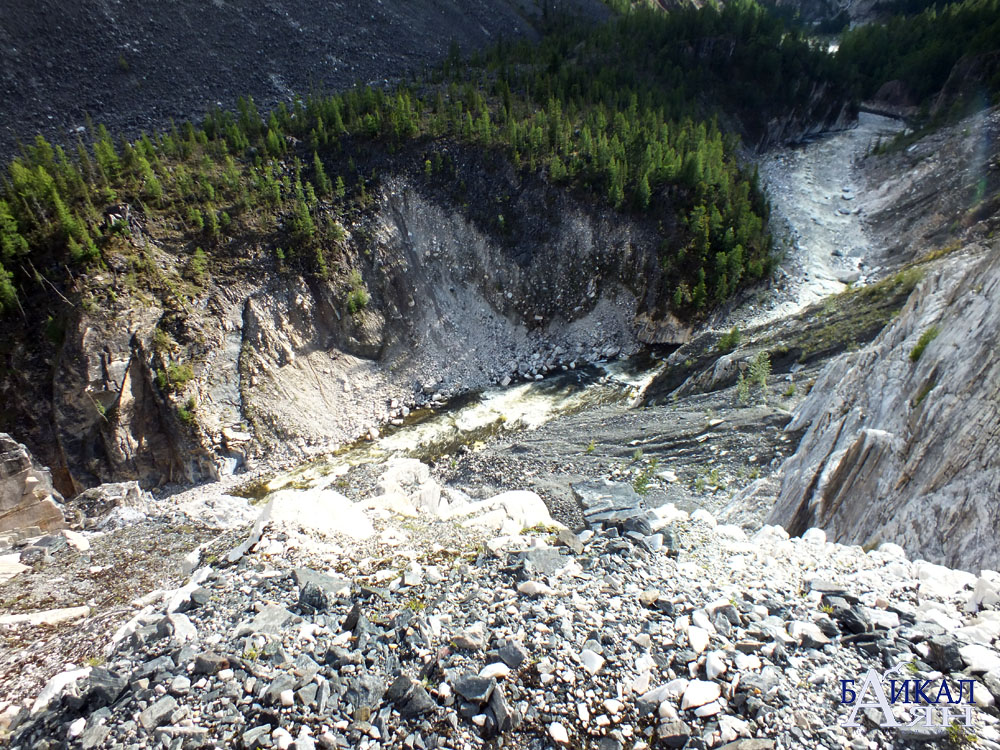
x,y
357,300
729,341
197,266
760,369
174,377
925,338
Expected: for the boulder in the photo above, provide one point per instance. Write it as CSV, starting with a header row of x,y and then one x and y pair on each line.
x,y
98,505
27,497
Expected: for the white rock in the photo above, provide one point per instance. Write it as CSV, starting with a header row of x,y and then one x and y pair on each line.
x,y
892,551
747,662
321,511
700,692
287,698
730,728
709,709
814,536
558,733
700,618
48,617
282,737
802,631
673,689
533,588
76,539
641,683
667,711
592,661
55,686
495,670
704,517
413,575
882,618
612,706
979,658
76,728
698,638
714,665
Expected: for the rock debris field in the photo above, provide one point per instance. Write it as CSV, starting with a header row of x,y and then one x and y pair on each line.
x,y
421,618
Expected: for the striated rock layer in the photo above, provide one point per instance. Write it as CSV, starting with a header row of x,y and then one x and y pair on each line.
x,y
27,498
903,441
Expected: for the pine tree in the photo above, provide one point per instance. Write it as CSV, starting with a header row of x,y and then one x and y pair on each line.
x,y
323,186
12,244
642,191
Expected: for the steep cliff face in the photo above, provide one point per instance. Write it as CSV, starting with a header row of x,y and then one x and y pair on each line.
x,y
902,438
256,363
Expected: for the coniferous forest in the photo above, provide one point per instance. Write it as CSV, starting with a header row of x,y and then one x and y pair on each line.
x,y
921,50
643,114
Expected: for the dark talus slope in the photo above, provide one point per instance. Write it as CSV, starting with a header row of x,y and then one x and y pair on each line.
x,y
133,66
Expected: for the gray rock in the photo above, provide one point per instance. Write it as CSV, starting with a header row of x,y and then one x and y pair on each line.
x,y
364,692
318,590
104,686
418,702
605,501
209,663
280,684
180,685
512,653
33,555
673,733
254,738
102,505
545,561
473,688
94,735
866,417
271,619
567,538
505,718
306,695
922,733
158,714
159,664
945,654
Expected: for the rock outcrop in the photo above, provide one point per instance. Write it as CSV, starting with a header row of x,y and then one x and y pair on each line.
x,y
27,498
278,367
902,438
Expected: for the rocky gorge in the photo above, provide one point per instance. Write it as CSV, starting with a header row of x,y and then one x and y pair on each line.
x,y
408,613
512,499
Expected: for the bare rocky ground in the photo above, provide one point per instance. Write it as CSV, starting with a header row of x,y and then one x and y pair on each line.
x,y
427,621
136,66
